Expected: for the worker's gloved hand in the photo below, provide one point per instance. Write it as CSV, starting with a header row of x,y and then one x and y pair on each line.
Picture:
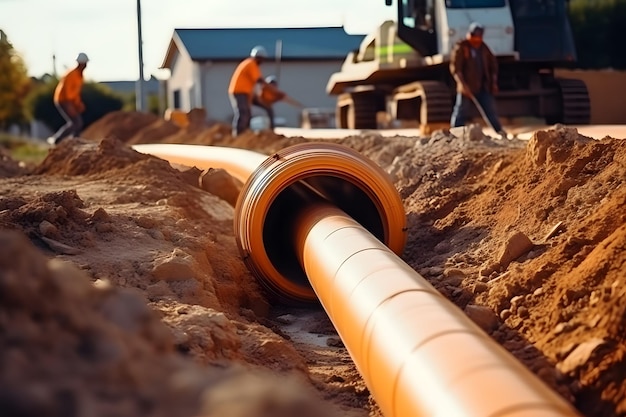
x,y
80,107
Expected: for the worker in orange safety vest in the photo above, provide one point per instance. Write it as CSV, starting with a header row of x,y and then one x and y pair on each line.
x,y
68,101
245,79
270,94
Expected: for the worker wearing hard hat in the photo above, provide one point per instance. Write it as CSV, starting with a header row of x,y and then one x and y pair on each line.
x,y
475,70
271,94
68,101
245,79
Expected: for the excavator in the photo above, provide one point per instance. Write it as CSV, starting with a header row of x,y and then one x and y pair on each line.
x,y
402,68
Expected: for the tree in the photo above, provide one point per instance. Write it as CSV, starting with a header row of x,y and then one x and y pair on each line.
x,y
14,84
598,32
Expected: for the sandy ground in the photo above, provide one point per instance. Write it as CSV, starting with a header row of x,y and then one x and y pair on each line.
x,y
122,292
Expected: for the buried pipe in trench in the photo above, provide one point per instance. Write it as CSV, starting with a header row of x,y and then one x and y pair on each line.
x,y
319,222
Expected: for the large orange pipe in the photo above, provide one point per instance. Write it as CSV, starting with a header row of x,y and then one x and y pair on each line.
x,y
283,185
321,222
417,352
239,163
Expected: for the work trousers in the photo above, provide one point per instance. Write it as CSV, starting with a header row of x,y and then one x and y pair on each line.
x,y
464,104
242,113
73,121
269,109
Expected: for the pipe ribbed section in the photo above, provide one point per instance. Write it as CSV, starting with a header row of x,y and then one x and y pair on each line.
x,y
418,353
318,221
285,183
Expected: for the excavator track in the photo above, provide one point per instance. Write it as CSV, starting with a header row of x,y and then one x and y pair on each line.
x,y
575,104
430,102
436,102
358,110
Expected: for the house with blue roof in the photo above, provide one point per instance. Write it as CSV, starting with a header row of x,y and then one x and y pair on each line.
x,y
201,62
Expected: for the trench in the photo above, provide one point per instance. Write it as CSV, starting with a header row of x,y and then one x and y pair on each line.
x,y
320,223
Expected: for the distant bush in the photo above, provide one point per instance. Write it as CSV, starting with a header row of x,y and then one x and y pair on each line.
x,y
23,150
99,100
598,27
14,84
152,104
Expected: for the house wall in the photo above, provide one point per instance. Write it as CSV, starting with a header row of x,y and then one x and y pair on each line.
x,y
215,79
182,84
304,81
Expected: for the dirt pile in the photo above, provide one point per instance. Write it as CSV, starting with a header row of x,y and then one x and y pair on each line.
x,y
528,238
134,128
151,312
537,234
73,347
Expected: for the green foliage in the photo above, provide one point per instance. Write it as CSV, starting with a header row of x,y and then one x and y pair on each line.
x,y
25,150
129,102
598,27
14,84
152,103
99,100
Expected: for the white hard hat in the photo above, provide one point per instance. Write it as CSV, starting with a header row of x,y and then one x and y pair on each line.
x,y
258,51
82,58
475,28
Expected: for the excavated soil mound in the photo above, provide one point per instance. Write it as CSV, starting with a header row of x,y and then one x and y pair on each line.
x,y
130,127
70,347
538,235
122,291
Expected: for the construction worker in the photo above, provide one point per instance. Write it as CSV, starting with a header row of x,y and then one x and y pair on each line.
x,y
475,70
245,79
68,101
270,94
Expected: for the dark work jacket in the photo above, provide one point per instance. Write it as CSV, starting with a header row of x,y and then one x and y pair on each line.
x,y
461,62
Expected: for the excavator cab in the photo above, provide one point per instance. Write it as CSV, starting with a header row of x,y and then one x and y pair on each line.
x,y
529,30
416,25
432,27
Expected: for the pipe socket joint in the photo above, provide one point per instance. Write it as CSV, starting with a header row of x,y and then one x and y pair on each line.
x,y
289,180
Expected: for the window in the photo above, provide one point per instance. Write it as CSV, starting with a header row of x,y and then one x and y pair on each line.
x,y
408,15
176,99
415,14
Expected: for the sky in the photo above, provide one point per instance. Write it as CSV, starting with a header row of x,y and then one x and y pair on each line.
x,y
106,30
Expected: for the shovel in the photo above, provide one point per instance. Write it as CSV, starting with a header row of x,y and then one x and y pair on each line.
x,y
484,115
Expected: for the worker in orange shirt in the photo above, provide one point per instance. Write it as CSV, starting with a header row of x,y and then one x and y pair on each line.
x,y
245,79
68,102
270,94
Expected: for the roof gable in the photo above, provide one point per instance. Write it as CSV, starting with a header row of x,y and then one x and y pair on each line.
x,y
235,44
